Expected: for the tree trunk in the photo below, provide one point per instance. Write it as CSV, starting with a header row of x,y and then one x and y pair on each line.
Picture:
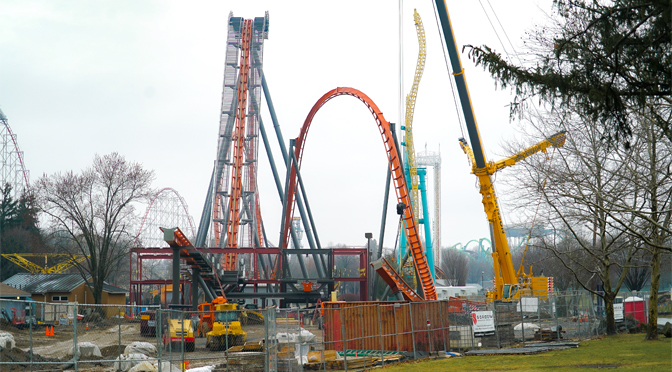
x,y
609,310
652,329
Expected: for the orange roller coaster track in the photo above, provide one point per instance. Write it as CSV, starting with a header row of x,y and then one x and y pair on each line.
x,y
400,186
238,146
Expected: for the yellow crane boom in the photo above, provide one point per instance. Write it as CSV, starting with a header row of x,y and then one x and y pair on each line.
x,y
507,281
20,260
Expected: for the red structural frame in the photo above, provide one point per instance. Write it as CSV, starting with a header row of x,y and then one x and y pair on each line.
x,y
138,255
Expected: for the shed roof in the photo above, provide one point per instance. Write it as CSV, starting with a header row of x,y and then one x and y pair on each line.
x,y
9,291
109,288
43,283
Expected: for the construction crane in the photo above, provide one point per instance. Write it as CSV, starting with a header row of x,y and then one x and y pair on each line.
x,y
508,285
33,268
508,282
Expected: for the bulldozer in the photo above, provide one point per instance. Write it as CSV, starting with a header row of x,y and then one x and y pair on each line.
x,y
226,329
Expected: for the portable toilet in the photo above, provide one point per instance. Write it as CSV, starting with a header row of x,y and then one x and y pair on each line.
x,y
636,307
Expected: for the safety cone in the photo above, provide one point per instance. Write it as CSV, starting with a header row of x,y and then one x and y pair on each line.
x,y
87,326
51,333
46,331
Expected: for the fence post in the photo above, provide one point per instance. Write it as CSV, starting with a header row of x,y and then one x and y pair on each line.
x,y
410,316
30,330
578,319
429,330
158,325
183,345
396,331
494,307
555,315
443,326
380,331
267,359
361,328
343,340
74,327
119,315
590,317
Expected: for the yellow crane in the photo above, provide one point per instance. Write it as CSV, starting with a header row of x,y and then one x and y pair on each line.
x,y
33,268
509,284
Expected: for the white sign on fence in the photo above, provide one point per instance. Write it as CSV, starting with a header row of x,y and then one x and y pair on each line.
x,y
528,304
618,312
483,323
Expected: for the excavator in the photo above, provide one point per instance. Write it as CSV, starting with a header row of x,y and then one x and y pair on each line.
x,y
509,284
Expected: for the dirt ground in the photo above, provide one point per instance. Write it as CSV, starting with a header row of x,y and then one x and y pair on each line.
x,y
107,337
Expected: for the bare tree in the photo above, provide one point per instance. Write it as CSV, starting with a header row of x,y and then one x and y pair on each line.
x,y
588,197
650,169
454,264
95,214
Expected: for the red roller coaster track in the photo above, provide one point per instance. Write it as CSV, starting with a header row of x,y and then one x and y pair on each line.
x,y
400,187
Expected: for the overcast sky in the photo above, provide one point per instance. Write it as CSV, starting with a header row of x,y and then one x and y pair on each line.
x,y
144,78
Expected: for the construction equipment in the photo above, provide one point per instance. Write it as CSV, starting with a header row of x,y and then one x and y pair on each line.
x,y
206,312
226,330
250,315
508,285
180,331
33,268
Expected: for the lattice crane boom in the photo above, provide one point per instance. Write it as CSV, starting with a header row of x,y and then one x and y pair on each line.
x,y
20,260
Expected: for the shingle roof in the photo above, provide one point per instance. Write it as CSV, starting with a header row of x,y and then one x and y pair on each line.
x,y
9,291
42,283
109,288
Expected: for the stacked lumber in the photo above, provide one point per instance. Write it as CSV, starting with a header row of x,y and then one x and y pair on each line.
x,y
547,335
244,362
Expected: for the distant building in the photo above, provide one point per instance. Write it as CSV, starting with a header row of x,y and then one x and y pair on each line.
x,y
64,288
58,289
10,293
13,303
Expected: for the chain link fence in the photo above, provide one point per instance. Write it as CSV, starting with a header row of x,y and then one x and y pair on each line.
x,y
567,316
39,336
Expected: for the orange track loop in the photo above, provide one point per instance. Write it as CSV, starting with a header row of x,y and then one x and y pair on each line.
x,y
400,186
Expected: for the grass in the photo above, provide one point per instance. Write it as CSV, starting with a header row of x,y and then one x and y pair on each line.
x,y
628,352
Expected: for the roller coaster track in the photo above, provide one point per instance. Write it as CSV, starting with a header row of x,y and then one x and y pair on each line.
x,y
238,141
401,189
410,110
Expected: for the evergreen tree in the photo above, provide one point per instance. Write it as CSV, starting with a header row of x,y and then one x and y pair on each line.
x,y
605,59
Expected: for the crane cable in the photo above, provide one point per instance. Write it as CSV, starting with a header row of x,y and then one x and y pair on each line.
x,y
521,268
445,59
